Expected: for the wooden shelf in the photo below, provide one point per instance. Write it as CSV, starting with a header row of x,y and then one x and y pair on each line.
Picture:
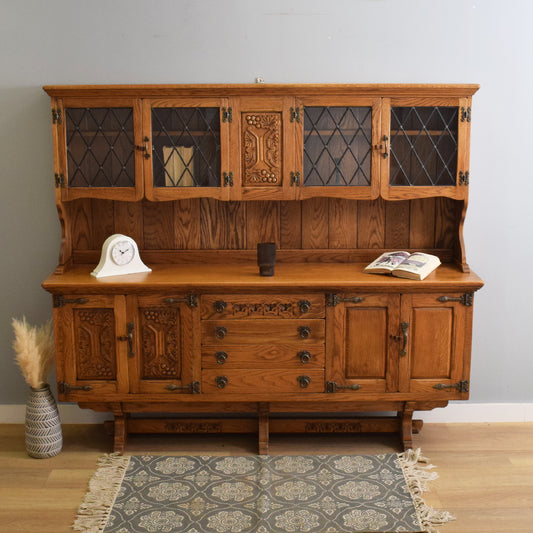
x,y
237,277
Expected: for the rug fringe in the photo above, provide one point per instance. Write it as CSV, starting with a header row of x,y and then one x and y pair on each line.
x,y
417,477
94,511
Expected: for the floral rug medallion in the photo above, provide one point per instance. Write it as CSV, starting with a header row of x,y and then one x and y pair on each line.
x,y
259,494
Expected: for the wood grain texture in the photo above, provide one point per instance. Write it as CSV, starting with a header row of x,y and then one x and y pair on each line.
x,y
315,229
290,224
397,225
262,223
342,223
128,218
158,225
187,224
422,226
371,224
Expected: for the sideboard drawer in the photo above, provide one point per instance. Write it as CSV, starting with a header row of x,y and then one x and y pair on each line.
x,y
253,380
262,331
250,306
263,356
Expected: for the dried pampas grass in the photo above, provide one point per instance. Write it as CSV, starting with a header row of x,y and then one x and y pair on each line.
x,y
34,351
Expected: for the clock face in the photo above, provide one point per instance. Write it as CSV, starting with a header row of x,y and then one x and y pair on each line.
x,y
122,252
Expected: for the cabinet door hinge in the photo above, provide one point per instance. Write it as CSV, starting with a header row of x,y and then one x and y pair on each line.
x,y
59,300
228,179
227,114
334,299
461,386
466,114
60,180
65,388
464,178
193,387
191,300
332,386
467,299
295,114
295,178
57,116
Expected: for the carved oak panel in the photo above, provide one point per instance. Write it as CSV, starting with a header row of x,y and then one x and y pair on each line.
x,y
161,353
261,138
94,338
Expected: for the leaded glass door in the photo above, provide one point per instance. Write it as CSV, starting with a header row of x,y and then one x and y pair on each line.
x,y
340,157
188,148
98,148
424,148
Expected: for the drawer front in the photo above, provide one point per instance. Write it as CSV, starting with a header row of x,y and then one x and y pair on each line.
x,y
249,306
220,332
263,356
254,380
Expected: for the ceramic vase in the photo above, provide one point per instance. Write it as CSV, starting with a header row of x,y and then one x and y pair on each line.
x,y
43,428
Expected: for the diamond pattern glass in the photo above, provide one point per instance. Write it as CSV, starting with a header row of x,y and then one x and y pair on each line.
x,y
100,147
423,146
186,147
337,146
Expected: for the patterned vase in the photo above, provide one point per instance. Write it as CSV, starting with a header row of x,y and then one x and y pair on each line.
x,y
43,428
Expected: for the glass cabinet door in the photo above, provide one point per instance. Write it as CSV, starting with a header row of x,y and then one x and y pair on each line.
x,y
424,151
188,148
98,156
339,155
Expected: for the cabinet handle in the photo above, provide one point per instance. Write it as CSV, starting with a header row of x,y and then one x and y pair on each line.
x,y
130,326
221,357
304,356
304,331
221,381
146,148
304,381
220,332
386,152
220,306
191,300
65,388
332,386
404,326
304,305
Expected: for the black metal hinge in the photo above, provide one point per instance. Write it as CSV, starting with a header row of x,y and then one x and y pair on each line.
x,y
295,114
331,386
191,300
334,299
57,116
59,180
193,387
466,114
65,388
59,300
228,179
467,299
464,178
227,114
461,386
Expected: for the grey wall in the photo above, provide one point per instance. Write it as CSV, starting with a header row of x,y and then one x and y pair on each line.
x,y
287,41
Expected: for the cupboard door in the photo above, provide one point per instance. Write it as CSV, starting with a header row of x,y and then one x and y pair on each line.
x,y
97,153
163,340
91,360
188,148
263,148
361,352
339,147
425,147
437,353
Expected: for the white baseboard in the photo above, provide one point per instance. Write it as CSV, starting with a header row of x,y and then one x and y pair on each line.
x,y
459,412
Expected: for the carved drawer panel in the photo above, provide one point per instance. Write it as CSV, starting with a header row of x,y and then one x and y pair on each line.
x,y
254,380
262,306
263,356
221,332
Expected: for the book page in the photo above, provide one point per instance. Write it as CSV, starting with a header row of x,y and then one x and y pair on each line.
x,y
389,260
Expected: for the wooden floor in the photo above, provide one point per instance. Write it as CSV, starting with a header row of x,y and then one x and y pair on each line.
x,y
486,471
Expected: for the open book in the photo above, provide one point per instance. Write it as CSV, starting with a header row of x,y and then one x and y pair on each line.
x,y
404,264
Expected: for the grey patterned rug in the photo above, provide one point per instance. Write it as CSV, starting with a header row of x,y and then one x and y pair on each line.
x,y
259,494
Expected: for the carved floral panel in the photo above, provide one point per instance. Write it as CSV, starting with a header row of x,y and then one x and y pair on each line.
x,y
94,337
261,134
160,358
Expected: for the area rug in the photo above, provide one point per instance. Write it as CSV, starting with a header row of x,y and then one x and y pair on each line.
x,y
260,494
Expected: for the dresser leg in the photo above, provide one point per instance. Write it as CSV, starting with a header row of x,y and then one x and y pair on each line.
x,y
120,429
263,411
407,425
